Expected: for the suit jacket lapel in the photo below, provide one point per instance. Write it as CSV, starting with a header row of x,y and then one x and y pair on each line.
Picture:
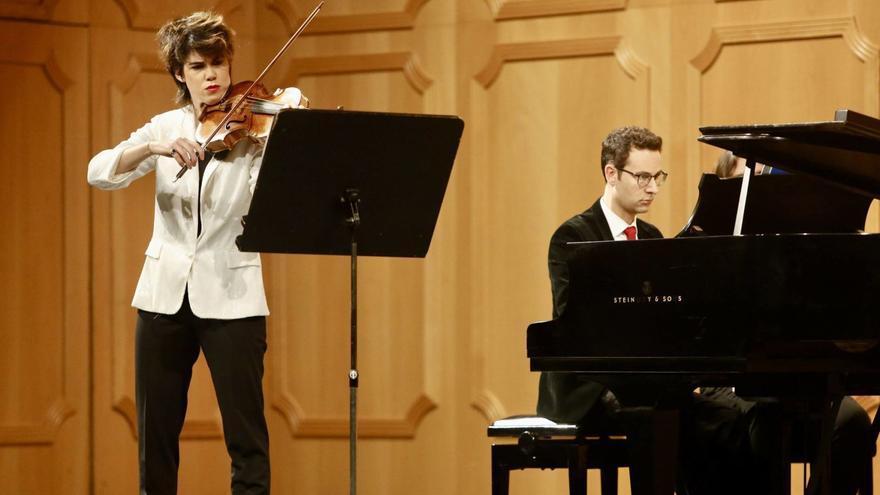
x,y
209,171
596,220
647,231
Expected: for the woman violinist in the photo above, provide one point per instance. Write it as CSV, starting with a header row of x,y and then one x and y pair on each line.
x,y
197,291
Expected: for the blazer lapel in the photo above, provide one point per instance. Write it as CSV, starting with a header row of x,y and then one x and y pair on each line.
x,y
597,222
209,171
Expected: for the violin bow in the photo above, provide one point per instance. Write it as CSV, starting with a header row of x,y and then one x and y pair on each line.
x,y
256,81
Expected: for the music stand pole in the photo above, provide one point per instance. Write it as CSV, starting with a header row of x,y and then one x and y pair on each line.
x,y
351,197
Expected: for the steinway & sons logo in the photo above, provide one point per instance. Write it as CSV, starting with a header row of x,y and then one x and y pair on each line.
x,y
648,296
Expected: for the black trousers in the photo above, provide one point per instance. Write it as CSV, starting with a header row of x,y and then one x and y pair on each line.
x,y
166,347
728,443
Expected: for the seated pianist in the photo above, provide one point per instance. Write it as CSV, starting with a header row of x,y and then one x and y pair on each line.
x,y
723,438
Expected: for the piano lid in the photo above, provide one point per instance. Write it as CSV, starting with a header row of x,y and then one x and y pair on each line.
x,y
778,204
845,151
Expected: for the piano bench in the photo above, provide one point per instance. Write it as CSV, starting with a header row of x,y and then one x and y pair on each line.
x,y
543,444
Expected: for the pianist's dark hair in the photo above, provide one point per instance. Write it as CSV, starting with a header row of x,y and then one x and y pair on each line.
x,y
616,146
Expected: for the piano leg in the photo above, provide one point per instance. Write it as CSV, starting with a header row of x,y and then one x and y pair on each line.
x,y
875,427
821,468
652,440
868,480
500,474
778,445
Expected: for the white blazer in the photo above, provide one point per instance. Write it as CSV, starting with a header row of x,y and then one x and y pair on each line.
x,y
223,282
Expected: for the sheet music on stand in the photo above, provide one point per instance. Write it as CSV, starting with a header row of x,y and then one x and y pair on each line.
x,y
351,183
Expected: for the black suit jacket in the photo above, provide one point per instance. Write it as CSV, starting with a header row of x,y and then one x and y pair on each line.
x,y
568,397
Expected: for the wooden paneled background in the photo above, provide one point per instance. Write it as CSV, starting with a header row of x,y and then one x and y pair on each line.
x,y
538,83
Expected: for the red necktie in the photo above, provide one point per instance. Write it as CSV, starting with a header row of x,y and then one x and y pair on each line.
x,y
630,233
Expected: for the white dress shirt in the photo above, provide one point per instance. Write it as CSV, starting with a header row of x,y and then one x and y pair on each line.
x,y
615,223
222,282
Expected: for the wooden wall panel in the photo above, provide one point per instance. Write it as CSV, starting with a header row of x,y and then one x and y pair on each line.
x,y
151,14
537,167
310,336
513,9
388,82
315,315
44,408
147,16
836,78
34,278
407,416
535,148
348,17
122,223
839,62
66,11
309,295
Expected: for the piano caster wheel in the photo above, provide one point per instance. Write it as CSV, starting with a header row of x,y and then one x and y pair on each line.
x,y
856,346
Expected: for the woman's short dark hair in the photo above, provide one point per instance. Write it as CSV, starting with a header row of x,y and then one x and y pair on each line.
x,y
618,143
204,32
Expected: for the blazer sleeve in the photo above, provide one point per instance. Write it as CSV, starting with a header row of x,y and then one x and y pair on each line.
x,y
557,260
102,168
256,163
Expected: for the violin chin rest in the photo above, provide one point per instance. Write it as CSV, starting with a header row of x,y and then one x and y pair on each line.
x,y
290,97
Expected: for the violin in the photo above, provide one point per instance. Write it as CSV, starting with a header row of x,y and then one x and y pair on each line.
x,y
251,120
246,113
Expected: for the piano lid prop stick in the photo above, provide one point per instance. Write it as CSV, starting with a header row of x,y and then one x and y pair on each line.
x,y
743,194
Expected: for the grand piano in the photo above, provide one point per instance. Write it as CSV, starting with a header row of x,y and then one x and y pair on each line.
x,y
787,308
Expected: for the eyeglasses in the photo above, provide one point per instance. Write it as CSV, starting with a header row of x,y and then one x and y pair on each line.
x,y
644,178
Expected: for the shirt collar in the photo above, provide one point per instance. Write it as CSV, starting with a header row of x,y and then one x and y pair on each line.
x,y
616,224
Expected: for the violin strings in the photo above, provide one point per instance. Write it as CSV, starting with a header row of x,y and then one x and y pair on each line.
x,y
260,105
263,100
263,106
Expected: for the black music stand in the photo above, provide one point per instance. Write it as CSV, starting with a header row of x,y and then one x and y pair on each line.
x,y
349,183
